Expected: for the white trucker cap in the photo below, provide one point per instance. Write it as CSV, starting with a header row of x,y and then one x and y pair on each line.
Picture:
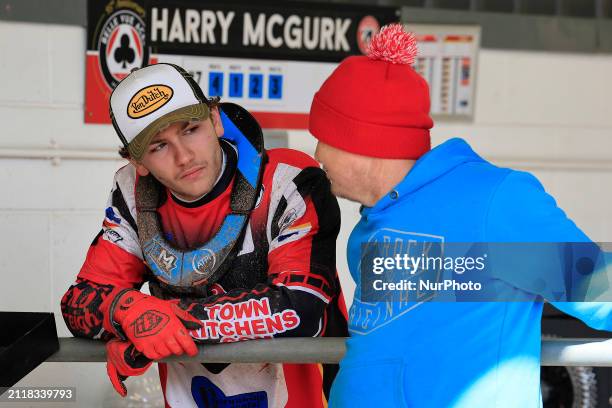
x,y
151,98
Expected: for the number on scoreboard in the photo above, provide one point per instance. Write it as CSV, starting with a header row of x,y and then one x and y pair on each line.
x,y
255,85
215,84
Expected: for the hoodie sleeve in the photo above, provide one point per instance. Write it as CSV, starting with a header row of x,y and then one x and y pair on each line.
x,y
521,211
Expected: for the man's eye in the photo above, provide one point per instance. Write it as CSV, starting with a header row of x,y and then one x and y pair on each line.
x,y
158,147
190,130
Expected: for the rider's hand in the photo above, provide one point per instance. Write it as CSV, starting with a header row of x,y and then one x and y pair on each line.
x,y
158,328
122,361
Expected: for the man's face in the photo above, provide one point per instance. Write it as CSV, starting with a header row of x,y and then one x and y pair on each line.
x,y
185,157
346,171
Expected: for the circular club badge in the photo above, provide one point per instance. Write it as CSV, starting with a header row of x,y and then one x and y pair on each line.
x,y
367,27
121,46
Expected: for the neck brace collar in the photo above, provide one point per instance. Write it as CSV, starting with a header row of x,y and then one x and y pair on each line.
x,y
184,269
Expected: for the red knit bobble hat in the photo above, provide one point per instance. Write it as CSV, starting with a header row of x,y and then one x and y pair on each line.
x,y
376,105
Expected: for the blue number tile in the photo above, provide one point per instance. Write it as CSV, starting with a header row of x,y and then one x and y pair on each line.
x,y
275,87
255,86
215,84
235,85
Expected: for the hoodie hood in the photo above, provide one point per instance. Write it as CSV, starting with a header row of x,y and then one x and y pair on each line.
x,y
434,164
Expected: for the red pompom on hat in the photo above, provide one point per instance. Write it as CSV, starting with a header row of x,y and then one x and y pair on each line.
x,y
376,105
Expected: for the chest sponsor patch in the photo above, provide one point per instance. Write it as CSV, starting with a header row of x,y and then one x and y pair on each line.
x,y
251,319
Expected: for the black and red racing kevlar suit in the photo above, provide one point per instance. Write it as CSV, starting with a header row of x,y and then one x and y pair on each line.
x,y
282,282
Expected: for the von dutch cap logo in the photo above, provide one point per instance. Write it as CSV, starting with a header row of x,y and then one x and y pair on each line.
x,y
149,100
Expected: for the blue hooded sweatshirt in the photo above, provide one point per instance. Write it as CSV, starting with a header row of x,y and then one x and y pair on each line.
x,y
471,354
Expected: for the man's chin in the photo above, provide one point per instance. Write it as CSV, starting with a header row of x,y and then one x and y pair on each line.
x,y
191,194
341,194
346,196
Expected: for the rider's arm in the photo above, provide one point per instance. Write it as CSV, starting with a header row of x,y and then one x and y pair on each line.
x,y
113,263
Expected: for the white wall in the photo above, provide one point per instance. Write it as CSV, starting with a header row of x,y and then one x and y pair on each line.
x,y
548,113
49,213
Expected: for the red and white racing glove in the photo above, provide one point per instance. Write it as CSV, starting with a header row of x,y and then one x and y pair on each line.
x,y
158,328
122,361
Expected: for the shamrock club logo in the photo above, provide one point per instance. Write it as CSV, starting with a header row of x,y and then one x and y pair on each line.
x,y
116,46
121,46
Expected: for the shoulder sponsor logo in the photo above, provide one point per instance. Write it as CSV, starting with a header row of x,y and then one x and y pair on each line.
x,y
110,214
301,229
149,100
112,236
111,220
287,218
281,238
109,225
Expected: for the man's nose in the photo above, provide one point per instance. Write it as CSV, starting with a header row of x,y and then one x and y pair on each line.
x,y
183,154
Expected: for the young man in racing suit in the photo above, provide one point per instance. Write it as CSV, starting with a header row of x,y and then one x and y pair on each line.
x,y
236,243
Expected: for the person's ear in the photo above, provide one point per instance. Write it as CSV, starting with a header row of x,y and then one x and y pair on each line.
x,y
215,116
140,168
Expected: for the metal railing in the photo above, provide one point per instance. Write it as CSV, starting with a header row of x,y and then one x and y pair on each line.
x,y
555,352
